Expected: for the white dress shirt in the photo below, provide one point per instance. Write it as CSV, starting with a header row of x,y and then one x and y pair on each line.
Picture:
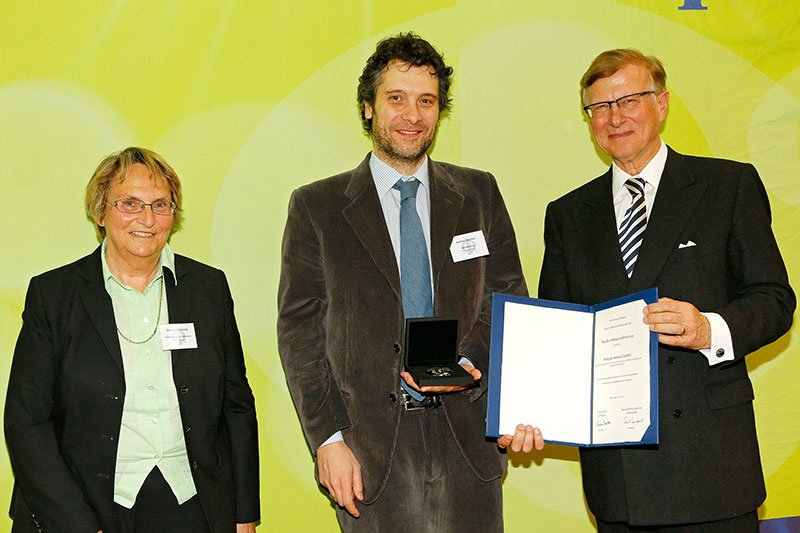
x,y
721,341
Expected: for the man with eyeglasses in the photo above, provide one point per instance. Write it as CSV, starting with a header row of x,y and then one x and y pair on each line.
x,y
699,230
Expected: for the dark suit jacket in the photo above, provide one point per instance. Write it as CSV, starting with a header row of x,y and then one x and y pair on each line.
x,y
707,465
66,390
340,325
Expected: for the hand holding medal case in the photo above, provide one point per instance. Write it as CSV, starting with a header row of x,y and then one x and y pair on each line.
x,y
431,352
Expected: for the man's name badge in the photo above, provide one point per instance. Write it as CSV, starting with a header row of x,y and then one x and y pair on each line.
x,y
468,246
177,336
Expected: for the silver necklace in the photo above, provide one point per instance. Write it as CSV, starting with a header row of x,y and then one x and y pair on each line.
x,y
158,318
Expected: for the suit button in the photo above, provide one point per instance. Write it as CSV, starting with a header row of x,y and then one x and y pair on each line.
x,y
677,413
670,360
184,389
720,352
194,465
392,397
107,437
396,348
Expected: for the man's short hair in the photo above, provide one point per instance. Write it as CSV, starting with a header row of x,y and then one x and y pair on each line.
x,y
610,61
114,169
406,48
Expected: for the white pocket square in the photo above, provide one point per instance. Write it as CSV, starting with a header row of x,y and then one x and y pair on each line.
x,y
687,244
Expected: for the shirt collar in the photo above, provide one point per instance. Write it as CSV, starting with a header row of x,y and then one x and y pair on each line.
x,y
385,176
651,172
167,259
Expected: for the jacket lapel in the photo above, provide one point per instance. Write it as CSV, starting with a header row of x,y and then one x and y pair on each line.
x,y
446,204
365,216
677,197
599,227
183,308
179,293
98,306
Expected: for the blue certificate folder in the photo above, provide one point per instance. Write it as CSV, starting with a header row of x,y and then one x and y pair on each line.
x,y
585,375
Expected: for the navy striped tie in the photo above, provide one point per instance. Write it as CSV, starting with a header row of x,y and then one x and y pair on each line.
x,y
633,224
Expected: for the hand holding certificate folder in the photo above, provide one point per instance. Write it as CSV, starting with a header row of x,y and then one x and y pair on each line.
x,y
585,375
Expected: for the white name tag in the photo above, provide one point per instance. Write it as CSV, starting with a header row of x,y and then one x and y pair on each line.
x,y
468,246
177,336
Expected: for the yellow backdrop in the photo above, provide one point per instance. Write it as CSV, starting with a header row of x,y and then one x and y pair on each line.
x,y
249,100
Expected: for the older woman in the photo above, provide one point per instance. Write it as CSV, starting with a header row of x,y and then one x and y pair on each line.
x,y
128,407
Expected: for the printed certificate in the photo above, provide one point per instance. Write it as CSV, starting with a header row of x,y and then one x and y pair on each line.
x,y
584,375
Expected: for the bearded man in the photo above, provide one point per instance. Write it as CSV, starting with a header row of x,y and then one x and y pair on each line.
x,y
366,249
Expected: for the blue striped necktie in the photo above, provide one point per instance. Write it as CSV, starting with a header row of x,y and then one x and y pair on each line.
x,y
631,231
415,269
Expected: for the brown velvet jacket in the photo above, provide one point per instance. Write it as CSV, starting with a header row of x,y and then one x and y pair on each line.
x,y
340,325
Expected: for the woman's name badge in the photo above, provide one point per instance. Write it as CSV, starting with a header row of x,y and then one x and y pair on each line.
x,y
468,246
177,336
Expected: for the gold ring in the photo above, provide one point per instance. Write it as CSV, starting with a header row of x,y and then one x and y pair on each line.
x,y
684,329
